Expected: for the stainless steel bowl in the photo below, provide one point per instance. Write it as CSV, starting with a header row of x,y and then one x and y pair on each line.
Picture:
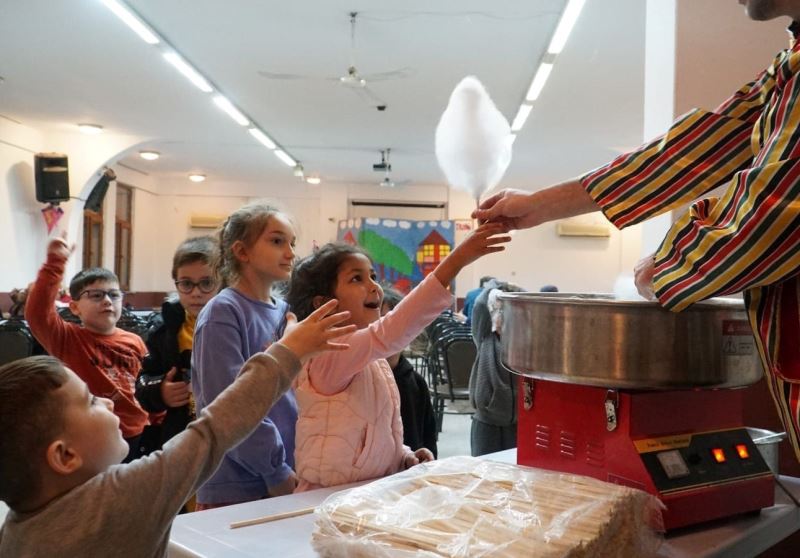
x,y
596,339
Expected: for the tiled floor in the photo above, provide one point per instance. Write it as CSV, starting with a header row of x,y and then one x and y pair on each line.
x,y
454,437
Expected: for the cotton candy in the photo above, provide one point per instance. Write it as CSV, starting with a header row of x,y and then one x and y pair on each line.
x,y
473,139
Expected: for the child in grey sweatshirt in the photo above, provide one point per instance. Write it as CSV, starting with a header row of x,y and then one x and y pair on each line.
x,y
60,451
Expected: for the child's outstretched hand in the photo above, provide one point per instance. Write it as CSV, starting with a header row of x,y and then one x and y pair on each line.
x,y
60,248
314,334
486,239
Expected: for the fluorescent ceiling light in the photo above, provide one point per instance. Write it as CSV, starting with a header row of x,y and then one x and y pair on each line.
x,y
280,154
132,21
197,177
313,180
190,73
565,25
90,129
538,81
521,117
262,137
513,138
230,110
149,155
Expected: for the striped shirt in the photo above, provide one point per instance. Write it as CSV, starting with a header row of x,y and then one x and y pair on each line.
x,y
747,239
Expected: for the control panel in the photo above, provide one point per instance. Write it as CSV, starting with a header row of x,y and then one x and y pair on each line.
x,y
694,460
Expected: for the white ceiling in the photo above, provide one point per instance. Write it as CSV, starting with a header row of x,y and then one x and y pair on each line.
x,y
70,61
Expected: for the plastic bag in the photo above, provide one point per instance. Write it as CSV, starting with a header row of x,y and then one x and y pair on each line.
x,y
468,507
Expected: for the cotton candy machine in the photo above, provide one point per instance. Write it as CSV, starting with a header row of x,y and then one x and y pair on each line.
x,y
630,393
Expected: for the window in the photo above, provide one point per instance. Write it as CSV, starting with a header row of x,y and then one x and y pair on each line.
x,y
122,235
92,238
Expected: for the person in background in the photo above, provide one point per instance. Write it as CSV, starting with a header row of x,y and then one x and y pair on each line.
x,y
256,250
350,427
744,240
469,299
548,289
107,358
492,386
163,384
416,408
59,468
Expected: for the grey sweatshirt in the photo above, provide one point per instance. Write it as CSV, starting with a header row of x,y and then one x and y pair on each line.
x,y
492,388
128,509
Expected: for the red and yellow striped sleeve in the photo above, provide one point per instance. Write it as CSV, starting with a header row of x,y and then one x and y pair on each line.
x,y
701,151
750,236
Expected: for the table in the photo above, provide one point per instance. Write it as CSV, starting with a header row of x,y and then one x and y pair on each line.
x,y
207,534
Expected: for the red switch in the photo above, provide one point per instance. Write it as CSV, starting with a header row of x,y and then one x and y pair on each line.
x,y
719,455
741,449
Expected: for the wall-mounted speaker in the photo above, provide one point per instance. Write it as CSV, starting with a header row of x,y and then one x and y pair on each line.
x,y
52,177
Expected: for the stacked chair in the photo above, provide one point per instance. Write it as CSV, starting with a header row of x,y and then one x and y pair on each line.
x,y
451,354
16,341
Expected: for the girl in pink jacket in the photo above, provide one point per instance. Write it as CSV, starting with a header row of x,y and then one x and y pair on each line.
x,y
349,428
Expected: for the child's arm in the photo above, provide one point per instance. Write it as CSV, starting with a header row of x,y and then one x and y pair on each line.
x,y
161,482
40,309
332,372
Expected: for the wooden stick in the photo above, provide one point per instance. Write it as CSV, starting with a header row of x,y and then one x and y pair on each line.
x,y
273,517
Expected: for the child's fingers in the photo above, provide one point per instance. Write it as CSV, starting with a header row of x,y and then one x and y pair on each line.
x,y
335,332
333,319
337,346
291,318
323,310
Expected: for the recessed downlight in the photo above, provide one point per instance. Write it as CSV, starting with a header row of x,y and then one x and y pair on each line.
x,y
149,155
90,129
194,177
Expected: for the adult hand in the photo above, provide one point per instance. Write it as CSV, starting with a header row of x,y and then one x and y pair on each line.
x,y
513,208
285,488
643,276
174,394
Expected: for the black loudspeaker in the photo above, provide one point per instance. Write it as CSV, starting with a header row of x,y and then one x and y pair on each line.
x,y
52,178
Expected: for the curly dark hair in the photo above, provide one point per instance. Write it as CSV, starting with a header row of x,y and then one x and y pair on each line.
x,y
315,275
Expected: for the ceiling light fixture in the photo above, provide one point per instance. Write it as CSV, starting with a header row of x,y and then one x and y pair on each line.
x,y
538,81
298,170
280,154
149,155
521,117
262,138
132,21
228,108
313,180
197,177
565,25
188,72
90,129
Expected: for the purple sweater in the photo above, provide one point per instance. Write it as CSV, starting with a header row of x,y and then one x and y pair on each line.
x,y
230,329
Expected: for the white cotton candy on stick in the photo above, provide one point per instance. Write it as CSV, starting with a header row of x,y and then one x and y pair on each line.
x,y
473,140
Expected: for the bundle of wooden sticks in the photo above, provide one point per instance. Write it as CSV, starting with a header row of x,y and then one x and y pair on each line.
x,y
470,507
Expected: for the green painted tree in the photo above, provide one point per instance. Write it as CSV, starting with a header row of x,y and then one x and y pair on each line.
x,y
386,254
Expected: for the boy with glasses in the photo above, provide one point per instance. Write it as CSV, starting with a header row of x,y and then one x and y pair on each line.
x,y
107,358
163,384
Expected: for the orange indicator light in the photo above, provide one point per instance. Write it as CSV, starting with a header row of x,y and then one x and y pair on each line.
x,y
719,455
741,449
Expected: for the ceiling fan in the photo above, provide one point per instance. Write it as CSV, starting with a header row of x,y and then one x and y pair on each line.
x,y
386,168
352,79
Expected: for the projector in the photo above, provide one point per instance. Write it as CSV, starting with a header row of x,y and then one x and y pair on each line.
x,y
383,166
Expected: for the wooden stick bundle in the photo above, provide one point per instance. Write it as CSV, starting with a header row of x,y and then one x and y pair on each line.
x,y
486,510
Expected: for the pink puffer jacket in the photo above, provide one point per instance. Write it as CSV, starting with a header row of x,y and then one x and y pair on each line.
x,y
349,427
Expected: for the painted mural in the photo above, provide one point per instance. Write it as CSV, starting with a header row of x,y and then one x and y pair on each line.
x,y
404,252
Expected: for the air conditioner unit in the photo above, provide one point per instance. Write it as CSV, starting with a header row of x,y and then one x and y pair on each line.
x,y
205,221
580,228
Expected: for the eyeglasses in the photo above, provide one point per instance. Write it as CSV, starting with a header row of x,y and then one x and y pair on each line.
x,y
206,285
98,295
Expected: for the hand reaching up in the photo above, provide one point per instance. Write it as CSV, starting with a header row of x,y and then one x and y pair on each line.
x,y
59,247
315,334
486,239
